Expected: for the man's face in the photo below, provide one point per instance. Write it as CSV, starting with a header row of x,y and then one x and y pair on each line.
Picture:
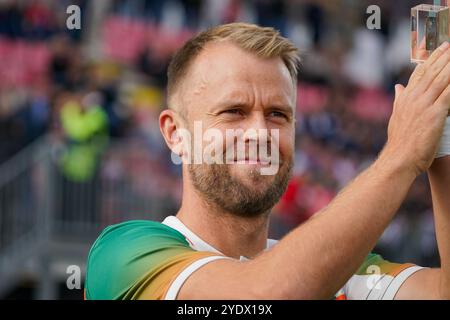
x,y
228,88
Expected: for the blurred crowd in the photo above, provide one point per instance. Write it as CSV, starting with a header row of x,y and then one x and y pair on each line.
x,y
112,82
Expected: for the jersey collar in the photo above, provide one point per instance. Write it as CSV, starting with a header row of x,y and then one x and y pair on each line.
x,y
195,241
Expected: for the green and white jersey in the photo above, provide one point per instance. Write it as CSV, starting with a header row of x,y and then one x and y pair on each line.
x,y
150,260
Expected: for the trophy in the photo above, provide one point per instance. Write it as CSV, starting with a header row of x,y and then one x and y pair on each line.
x,y
429,29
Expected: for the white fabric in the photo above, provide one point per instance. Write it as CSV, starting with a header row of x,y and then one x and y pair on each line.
x,y
197,244
181,278
444,147
377,287
195,241
359,287
392,290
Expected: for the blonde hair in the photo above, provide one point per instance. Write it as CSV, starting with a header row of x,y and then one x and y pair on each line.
x,y
264,42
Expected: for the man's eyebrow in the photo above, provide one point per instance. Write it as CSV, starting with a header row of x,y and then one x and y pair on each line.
x,y
227,103
282,107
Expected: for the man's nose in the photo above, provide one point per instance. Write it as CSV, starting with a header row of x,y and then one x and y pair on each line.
x,y
255,125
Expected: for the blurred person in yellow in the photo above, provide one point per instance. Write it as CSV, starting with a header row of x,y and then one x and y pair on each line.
x,y
86,133
242,76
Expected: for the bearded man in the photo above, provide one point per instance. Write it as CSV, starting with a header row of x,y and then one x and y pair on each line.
x,y
244,77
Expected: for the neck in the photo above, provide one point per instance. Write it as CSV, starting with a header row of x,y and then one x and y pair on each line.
x,y
232,235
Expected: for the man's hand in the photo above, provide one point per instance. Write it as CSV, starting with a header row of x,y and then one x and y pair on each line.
x,y
420,109
317,258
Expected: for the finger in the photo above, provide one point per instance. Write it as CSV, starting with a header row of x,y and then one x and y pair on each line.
x,y
421,69
444,100
423,44
439,83
434,57
436,73
398,92
422,52
426,72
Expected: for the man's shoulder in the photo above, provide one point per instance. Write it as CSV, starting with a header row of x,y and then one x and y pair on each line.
x,y
137,231
126,251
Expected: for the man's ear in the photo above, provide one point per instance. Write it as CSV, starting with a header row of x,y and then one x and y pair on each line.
x,y
171,128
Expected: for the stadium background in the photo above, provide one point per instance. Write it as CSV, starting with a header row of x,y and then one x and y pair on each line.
x,y
65,173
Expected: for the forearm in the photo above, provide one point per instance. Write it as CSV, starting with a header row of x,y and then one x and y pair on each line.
x,y
439,176
322,254
317,258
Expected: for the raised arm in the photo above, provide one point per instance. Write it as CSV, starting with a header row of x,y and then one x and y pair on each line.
x,y
435,283
439,175
317,258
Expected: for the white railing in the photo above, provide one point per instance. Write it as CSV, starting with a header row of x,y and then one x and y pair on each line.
x,y
25,209
46,218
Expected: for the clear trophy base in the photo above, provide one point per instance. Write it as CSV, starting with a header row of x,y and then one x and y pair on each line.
x,y
429,29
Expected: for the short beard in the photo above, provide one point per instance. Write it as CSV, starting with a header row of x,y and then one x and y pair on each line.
x,y
216,185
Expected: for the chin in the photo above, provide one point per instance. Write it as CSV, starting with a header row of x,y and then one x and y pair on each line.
x,y
250,175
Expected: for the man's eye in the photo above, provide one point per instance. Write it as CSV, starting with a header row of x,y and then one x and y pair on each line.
x,y
233,111
278,114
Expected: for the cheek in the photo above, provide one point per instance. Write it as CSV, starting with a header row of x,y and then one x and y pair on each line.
x,y
220,129
286,143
